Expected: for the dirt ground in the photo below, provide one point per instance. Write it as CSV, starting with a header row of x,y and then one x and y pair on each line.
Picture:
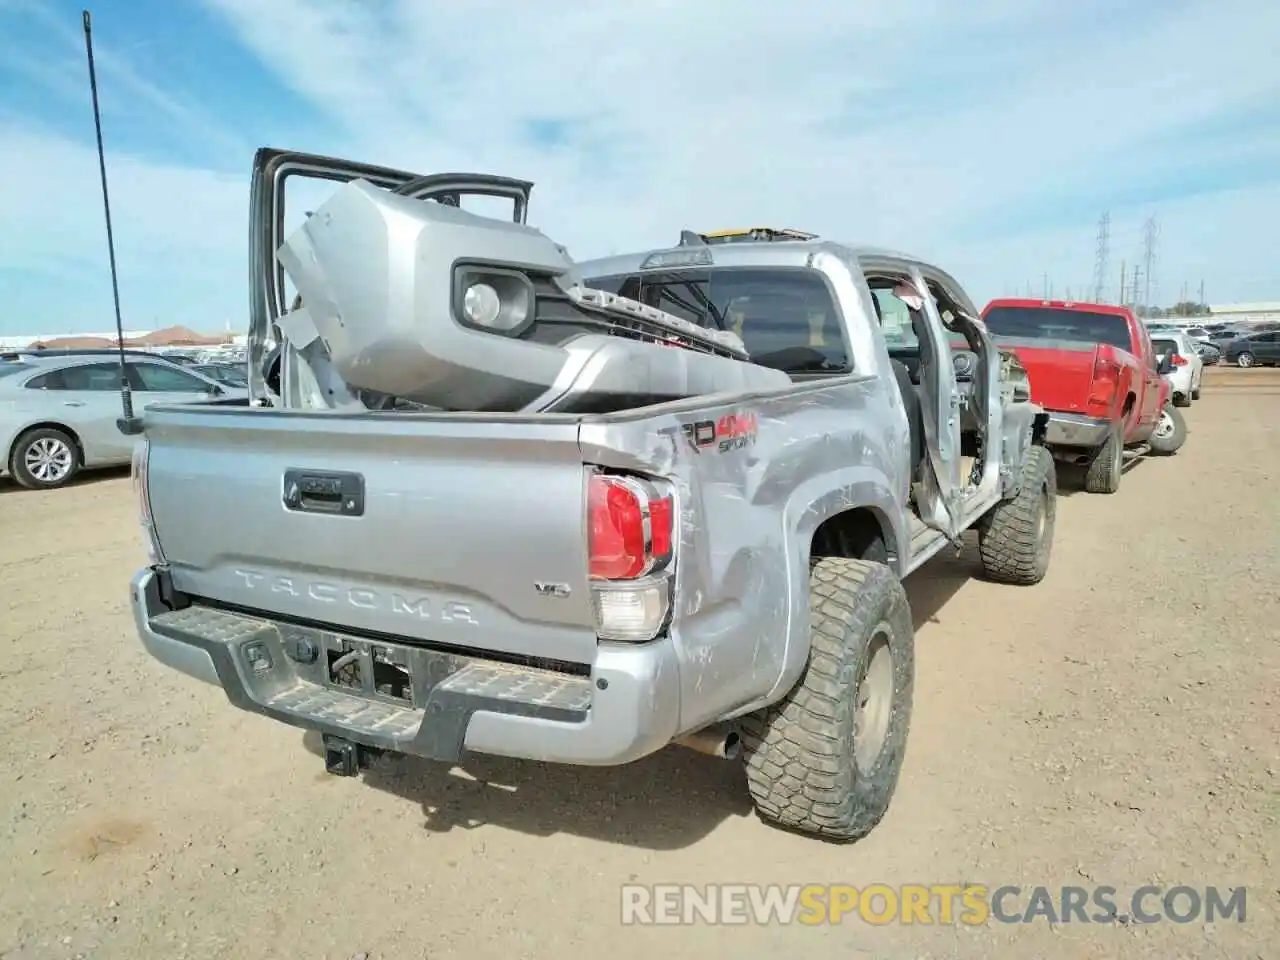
x,y
1118,724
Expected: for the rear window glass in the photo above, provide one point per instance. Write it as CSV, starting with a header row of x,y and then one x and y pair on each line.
x,y
786,318
1162,346
1048,323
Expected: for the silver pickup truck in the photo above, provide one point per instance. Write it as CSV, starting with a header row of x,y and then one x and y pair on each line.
x,y
419,535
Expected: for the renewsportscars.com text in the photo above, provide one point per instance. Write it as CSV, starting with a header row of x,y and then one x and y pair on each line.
x,y
970,904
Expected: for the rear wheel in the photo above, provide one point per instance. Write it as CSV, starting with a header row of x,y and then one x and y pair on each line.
x,y
1107,466
1246,359
44,458
1015,538
826,759
1170,433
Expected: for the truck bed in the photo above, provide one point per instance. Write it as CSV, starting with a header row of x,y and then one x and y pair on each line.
x,y
471,537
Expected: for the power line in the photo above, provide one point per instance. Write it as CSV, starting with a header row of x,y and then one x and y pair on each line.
x,y
1102,258
1150,237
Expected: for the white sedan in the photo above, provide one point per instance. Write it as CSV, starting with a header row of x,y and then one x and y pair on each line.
x,y
58,411
1188,366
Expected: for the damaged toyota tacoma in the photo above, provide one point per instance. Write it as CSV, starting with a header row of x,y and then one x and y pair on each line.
x,y
484,499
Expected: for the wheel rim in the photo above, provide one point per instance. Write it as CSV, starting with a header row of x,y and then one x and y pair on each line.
x,y
48,460
1165,427
1245,359
875,704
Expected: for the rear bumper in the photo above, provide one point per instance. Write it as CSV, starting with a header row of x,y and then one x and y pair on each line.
x,y
1180,382
627,708
1076,430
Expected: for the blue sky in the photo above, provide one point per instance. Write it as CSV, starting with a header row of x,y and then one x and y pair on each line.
x,y
988,136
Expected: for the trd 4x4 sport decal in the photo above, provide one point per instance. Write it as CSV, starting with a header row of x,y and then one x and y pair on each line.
x,y
733,431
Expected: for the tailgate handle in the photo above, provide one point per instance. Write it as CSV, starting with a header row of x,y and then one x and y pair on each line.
x,y
338,494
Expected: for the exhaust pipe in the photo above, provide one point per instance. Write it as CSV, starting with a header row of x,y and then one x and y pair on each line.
x,y
714,741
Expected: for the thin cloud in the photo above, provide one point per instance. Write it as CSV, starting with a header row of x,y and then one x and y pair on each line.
x,y
988,136
121,82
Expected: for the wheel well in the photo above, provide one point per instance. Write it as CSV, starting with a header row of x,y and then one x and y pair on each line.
x,y
1129,400
1039,427
852,534
48,425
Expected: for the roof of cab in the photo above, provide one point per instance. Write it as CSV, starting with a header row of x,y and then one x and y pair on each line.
x,y
747,253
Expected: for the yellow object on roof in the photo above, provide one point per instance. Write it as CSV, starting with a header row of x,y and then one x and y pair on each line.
x,y
759,233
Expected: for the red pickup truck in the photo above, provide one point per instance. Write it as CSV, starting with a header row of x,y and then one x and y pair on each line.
x,y
1094,371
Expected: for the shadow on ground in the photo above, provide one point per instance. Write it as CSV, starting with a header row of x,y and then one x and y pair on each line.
x,y
86,478
1071,476
932,586
666,801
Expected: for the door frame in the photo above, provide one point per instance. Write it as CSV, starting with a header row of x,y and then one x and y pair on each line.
x,y
940,483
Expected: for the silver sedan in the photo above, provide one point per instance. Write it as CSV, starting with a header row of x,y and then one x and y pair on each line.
x,y
58,413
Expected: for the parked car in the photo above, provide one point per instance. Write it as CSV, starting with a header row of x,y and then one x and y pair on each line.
x,y
232,375
1210,354
58,413
704,563
1092,367
1179,352
1254,350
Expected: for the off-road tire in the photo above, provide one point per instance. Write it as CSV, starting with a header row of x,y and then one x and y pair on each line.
x,y
1015,537
799,753
1106,469
1168,445
19,470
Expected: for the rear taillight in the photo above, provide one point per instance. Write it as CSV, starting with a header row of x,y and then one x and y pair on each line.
x,y
141,457
1178,360
1106,381
629,527
630,549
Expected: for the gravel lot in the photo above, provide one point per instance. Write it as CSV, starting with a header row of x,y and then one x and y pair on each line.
x,y
1117,724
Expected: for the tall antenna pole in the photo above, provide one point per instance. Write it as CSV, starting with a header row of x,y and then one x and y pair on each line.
x,y
1123,277
1202,293
128,425
1102,258
1133,290
1150,236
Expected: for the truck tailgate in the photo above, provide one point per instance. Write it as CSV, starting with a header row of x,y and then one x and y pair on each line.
x,y
1061,372
461,519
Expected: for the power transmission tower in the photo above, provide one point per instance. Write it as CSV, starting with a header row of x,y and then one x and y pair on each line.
x,y
1102,258
1133,289
1150,236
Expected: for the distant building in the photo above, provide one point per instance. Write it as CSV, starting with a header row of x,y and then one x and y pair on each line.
x,y
1246,312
